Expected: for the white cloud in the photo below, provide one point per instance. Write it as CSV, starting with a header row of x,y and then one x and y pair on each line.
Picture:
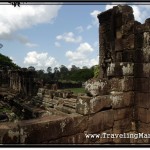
x,y
79,29
94,61
110,6
57,44
16,18
141,12
89,27
94,16
40,60
80,56
69,37
84,48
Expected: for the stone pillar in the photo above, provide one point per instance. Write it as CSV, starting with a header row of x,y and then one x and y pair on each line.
x,y
117,63
142,80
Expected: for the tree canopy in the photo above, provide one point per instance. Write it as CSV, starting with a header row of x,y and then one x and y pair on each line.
x,y
7,62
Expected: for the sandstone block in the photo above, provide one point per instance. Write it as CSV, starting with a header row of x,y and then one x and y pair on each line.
x,y
142,84
119,45
122,126
122,84
95,87
142,70
100,102
89,105
73,139
123,113
128,28
143,115
100,121
142,99
146,54
83,105
128,43
143,127
50,128
122,99
120,69
9,133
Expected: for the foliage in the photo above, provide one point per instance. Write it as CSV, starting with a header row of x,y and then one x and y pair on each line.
x,y
65,75
7,62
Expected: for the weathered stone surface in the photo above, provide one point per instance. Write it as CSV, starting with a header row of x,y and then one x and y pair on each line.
x,y
9,133
142,85
124,125
142,100
122,99
143,115
96,87
128,43
100,137
100,102
142,70
128,28
106,140
120,139
122,84
40,92
123,113
89,105
118,45
146,54
143,127
46,129
73,139
120,69
101,121
83,105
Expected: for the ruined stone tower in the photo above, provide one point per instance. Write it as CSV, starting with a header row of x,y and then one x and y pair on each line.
x,y
125,63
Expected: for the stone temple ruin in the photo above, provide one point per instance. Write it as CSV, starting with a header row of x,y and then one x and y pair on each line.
x,y
117,102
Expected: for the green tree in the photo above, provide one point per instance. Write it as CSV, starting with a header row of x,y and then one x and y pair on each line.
x,y
63,72
56,74
49,69
31,68
6,62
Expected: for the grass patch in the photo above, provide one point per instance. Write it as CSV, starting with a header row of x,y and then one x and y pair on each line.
x,y
77,90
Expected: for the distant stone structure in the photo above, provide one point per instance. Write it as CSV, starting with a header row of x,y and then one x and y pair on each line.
x,y
118,102
22,81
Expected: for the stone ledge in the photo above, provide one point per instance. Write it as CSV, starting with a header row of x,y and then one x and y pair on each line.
x,y
90,105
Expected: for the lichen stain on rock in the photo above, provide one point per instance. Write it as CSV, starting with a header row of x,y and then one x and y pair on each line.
x,y
95,86
116,99
23,136
13,134
111,69
128,70
146,69
62,125
86,110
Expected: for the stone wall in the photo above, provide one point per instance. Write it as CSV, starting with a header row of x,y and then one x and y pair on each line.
x,y
22,81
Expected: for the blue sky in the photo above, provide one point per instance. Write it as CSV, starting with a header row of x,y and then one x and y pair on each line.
x,y
54,35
